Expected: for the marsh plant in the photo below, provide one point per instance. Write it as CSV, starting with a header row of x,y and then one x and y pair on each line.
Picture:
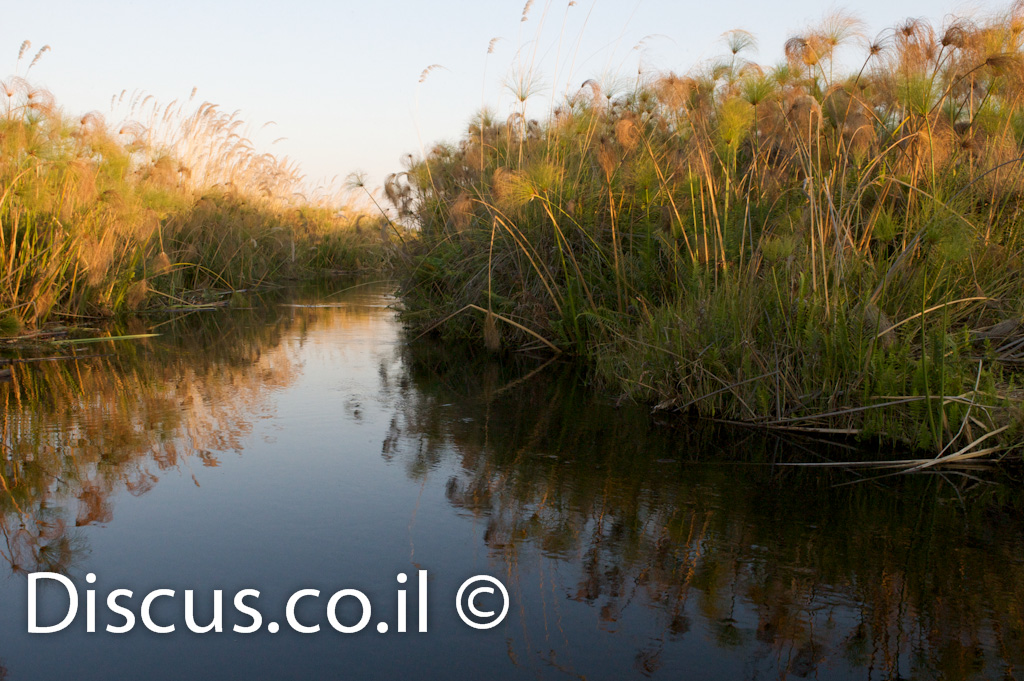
x,y
806,245
98,218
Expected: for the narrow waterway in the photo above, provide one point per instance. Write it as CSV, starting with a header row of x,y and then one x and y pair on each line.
x,y
306,443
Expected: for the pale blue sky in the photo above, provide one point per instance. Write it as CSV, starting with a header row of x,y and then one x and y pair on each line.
x,y
339,79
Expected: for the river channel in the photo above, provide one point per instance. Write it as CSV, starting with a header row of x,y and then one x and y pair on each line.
x,y
307,442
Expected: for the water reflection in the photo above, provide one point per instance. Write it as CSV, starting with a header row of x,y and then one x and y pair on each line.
x,y
631,547
797,572
81,426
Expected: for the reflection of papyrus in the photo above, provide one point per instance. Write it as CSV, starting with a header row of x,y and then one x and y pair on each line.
x,y
76,432
586,502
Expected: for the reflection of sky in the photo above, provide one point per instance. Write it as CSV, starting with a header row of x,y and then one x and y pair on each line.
x,y
340,78
309,502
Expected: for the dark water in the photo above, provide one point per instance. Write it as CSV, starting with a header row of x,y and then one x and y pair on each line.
x,y
283,447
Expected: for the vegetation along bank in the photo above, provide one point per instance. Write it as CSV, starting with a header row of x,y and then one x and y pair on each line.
x,y
171,206
806,246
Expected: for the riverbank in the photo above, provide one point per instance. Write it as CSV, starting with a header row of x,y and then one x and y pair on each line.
x,y
98,220
794,247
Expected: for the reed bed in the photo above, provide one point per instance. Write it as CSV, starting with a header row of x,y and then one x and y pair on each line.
x,y
98,219
803,246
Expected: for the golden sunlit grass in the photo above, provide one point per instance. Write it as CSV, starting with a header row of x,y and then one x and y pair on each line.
x,y
801,245
98,218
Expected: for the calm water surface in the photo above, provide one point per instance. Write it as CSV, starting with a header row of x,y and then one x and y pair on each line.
x,y
307,443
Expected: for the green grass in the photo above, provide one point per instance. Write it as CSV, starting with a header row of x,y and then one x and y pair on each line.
x,y
791,247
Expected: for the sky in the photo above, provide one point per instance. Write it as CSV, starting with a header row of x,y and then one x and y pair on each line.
x,y
341,81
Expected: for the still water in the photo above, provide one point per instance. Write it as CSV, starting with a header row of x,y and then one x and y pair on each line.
x,y
307,443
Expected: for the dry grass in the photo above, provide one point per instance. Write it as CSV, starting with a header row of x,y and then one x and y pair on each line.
x,y
97,219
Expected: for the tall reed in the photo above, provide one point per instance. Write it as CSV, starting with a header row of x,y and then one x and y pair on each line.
x,y
96,218
793,246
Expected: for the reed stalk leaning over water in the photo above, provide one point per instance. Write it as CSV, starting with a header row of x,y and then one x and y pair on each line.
x,y
793,246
